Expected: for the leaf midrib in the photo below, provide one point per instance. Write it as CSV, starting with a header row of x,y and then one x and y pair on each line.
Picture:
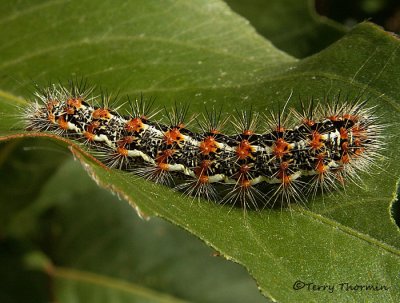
x,y
134,38
391,101
29,10
350,231
9,96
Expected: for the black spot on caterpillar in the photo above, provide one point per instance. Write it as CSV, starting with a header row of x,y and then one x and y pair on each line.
x,y
299,152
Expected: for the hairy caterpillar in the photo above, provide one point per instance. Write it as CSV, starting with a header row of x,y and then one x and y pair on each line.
x,y
324,146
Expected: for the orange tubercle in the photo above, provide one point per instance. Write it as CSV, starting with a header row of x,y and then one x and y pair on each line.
x,y
51,118
244,149
245,183
308,122
101,113
248,132
345,146
283,175
334,118
134,125
316,141
284,165
350,117
50,104
62,123
343,133
359,151
286,179
208,145
92,126
172,136
345,158
357,142
202,169
89,136
320,167
126,140
163,166
165,155
74,102
359,132
203,179
122,151
280,129
205,164
280,148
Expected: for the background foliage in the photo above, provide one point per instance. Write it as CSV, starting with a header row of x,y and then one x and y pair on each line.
x,y
69,239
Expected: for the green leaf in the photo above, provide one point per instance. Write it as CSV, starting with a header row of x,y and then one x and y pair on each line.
x,y
285,21
87,244
202,52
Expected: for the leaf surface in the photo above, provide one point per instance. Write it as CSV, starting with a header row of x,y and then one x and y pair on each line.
x,y
203,53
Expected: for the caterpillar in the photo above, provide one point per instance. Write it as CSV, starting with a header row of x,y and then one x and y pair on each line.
x,y
298,154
